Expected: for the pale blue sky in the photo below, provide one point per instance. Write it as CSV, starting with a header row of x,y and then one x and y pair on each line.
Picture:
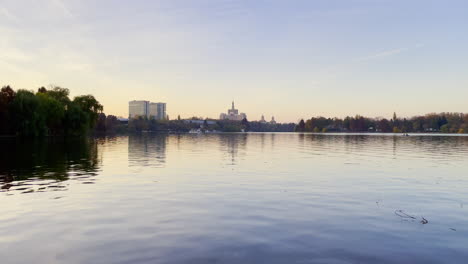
x,y
290,59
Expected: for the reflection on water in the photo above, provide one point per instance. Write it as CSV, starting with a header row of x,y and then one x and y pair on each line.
x,y
231,144
37,166
147,150
235,198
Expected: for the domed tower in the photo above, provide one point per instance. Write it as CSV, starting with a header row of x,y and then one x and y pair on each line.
x,y
272,120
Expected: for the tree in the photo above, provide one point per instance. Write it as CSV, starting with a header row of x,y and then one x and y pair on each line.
x,y
47,112
101,123
7,95
112,124
90,106
42,90
60,94
244,124
75,121
444,128
27,118
384,126
300,127
52,111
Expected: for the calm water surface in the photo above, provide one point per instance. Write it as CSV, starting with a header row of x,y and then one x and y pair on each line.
x,y
235,198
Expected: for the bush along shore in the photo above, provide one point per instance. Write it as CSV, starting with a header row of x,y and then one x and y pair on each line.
x,y
430,123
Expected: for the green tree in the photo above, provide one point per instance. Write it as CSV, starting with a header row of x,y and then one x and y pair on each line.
x,y
52,111
7,95
444,128
27,118
60,94
76,121
90,106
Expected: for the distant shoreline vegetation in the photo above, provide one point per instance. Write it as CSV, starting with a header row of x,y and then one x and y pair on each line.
x,y
47,112
429,123
143,124
50,112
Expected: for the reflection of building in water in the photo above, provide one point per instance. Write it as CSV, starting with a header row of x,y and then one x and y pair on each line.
x,y
232,114
231,144
147,150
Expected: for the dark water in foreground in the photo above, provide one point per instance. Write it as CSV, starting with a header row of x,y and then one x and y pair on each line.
x,y
235,198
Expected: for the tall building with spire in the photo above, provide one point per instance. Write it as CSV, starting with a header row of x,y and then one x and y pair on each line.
x,y
232,114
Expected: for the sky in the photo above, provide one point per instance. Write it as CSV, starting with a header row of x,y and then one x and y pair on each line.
x,y
290,59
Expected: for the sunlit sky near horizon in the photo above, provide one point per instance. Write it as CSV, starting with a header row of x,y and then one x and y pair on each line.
x,y
291,59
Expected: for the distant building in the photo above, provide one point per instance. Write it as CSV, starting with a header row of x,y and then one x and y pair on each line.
x,y
232,114
199,122
122,120
147,109
263,121
272,120
138,109
157,111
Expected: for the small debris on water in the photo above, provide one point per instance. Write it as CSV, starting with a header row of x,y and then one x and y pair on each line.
x,y
402,214
453,229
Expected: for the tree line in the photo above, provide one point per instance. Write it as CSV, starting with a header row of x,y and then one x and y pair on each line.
x,y
179,125
441,122
47,112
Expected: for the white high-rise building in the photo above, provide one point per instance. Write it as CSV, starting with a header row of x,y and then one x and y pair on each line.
x,y
157,111
138,109
147,109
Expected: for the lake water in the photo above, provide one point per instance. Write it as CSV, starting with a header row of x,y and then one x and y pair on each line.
x,y
235,198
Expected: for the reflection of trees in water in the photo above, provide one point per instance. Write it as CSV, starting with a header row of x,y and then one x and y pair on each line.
x,y
147,150
427,146
231,143
46,163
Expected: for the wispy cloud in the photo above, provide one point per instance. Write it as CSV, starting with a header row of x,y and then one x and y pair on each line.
x,y
383,54
387,53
